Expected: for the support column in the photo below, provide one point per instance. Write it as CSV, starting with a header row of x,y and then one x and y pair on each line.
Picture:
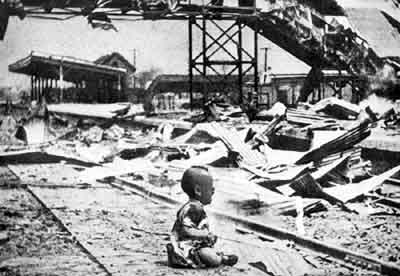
x,y
43,87
205,60
255,65
39,89
119,88
61,75
31,98
123,93
191,20
47,88
35,88
240,61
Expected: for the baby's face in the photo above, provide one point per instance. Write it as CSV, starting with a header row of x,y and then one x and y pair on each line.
x,y
206,192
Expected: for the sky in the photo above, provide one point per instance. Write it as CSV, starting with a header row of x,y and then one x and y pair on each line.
x,y
158,44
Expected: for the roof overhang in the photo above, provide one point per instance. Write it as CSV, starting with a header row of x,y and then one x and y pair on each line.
x,y
49,66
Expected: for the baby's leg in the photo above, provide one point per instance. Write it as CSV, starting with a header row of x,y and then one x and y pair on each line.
x,y
210,257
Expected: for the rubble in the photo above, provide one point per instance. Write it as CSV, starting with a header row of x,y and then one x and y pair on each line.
x,y
92,135
114,133
290,138
337,108
284,154
343,142
348,192
306,186
277,110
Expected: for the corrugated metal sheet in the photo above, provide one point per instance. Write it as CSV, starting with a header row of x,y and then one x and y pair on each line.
x,y
249,157
372,25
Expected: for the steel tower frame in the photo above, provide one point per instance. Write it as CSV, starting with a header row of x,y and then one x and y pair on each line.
x,y
204,60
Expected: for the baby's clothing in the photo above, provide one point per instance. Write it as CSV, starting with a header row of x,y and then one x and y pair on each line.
x,y
185,248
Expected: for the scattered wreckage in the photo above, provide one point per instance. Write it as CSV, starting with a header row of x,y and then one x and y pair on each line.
x,y
291,162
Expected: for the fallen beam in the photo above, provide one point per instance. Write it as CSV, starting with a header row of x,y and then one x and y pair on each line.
x,y
394,181
38,157
385,200
345,193
339,144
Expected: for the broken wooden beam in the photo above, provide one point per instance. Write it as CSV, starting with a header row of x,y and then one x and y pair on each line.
x,y
337,108
345,193
39,156
342,143
245,154
385,200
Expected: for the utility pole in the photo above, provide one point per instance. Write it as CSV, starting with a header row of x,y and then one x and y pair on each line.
x,y
265,58
265,75
134,64
134,57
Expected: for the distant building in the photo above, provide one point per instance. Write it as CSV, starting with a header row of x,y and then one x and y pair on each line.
x,y
69,79
285,88
117,60
171,92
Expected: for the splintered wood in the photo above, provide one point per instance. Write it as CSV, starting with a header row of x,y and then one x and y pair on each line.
x,y
247,156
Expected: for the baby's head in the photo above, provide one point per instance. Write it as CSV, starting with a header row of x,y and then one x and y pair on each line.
x,y
197,183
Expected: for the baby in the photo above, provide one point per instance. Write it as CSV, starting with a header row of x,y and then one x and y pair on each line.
x,y
191,240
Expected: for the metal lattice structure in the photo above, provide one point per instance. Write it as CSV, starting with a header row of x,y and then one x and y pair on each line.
x,y
236,64
293,25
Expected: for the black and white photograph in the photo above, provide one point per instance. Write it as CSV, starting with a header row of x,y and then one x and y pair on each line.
x,y
199,137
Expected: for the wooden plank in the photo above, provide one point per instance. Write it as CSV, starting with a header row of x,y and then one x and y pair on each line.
x,y
37,156
343,142
323,170
345,193
248,156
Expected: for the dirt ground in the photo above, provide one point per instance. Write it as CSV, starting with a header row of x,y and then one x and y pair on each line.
x,y
124,232
33,243
374,232
127,234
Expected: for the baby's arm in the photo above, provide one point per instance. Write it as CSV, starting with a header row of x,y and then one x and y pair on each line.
x,y
198,234
193,229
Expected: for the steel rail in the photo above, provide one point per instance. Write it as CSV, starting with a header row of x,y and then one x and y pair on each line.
x,y
65,227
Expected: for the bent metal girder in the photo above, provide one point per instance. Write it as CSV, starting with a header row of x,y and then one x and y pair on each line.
x,y
293,25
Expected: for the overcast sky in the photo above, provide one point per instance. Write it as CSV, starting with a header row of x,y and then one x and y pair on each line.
x,y
159,44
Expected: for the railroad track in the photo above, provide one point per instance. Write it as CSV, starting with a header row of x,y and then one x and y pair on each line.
x,y
80,243
118,245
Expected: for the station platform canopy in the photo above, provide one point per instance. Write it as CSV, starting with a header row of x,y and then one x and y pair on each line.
x,y
73,69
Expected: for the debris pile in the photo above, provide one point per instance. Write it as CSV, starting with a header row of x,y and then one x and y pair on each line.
x,y
304,150
287,162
